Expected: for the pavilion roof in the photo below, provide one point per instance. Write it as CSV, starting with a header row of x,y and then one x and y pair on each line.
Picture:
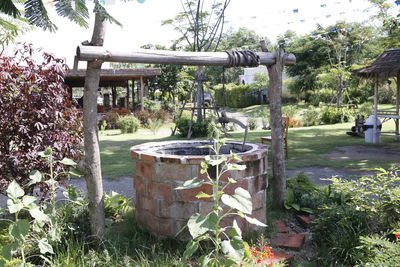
x,y
111,77
387,65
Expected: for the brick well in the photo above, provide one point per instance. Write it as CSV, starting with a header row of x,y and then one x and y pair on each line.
x,y
163,211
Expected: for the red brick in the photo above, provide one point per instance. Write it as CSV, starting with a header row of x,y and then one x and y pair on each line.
x,y
190,194
139,185
195,159
176,209
258,200
144,169
160,191
304,220
281,226
279,256
148,157
166,227
230,189
134,155
228,174
259,183
289,241
145,203
173,172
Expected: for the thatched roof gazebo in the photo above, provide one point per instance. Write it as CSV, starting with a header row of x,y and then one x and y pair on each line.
x,y
115,78
386,66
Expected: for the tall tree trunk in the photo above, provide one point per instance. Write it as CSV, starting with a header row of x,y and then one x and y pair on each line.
x,y
199,93
92,151
275,104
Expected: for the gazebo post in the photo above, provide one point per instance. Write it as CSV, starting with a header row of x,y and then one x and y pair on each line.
x,y
141,93
398,107
374,139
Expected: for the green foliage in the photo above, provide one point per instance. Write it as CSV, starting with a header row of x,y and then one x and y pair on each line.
x,y
353,209
289,111
301,194
146,116
321,95
365,109
227,240
198,128
152,105
155,125
42,228
128,124
111,120
252,123
332,115
310,116
378,250
237,96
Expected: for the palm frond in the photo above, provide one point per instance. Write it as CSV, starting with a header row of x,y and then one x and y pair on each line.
x,y
74,10
37,15
7,7
98,8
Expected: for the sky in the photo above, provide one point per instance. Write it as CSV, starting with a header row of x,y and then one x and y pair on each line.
x,y
142,22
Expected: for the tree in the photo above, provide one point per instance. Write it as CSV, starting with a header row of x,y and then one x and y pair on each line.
x,y
76,10
201,30
10,29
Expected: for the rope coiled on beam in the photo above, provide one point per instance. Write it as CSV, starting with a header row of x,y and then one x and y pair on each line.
x,y
245,58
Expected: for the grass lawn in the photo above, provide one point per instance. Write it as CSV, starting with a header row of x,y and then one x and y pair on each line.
x,y
307,147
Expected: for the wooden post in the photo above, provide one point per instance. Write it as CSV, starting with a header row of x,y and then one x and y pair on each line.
x,y
275,105
133,94
199,94
375,129
114,96
398,108
141,93
127,94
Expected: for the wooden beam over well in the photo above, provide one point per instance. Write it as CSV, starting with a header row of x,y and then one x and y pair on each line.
x,y
147,56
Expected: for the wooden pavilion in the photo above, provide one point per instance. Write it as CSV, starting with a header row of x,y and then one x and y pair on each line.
x,y
114,78
386,66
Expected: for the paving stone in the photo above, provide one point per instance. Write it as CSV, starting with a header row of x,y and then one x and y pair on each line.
x,y
279,256
304,220
281,226
289,241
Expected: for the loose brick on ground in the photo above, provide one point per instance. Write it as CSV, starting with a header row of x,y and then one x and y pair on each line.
x,y
290,241
281,226
304,220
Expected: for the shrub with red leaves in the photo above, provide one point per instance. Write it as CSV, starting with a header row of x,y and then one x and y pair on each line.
x,y
35,113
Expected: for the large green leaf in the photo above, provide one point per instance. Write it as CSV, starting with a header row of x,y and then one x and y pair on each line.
x,y
45,247
14,191
214,161
191,248
241,200
67,161
255,221
199,225
235,230
8,249
234,248
36,13
235,167
19,229
7,7
14,206
193,183
76,12
28,200
35,177
39,215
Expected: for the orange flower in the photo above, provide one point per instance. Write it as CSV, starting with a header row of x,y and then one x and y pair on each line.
x,y
397,235
254,252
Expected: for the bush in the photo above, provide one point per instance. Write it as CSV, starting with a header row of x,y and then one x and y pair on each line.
x,y
146,116
366,110
111,119
353,209
252,123
198,129
152,105
378,250
310,116
237,96
35,112
332,115
322,95
128,124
